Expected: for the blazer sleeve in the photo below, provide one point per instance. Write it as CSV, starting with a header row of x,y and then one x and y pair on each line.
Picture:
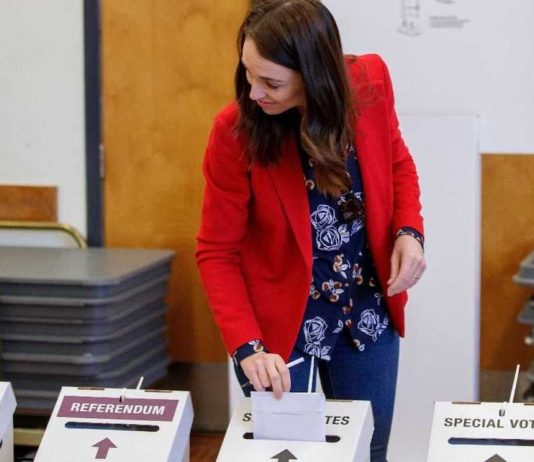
x,y
223,225
406,192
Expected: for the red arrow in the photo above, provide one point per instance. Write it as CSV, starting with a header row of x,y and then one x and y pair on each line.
x,y
103,448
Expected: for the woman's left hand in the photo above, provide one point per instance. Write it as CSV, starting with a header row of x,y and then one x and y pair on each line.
x,y
407,265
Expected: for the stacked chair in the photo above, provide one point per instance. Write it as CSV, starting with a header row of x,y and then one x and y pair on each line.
x,y
81,317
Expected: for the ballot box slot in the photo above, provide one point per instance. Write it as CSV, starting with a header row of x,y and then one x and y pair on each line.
x,y
112,426
328,438
491,441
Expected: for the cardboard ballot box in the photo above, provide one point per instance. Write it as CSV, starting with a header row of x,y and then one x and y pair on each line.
x,y
118,425
7,409
349,428
482,432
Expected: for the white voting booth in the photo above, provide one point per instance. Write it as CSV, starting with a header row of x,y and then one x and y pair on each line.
x,y
348,426
118,425
7,409
482,432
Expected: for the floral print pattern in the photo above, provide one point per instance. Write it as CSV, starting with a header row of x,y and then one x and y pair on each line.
x,y
334,288
357,274
314,333
328,236
371,325
344,294
323,217
314,293
357,225
341,265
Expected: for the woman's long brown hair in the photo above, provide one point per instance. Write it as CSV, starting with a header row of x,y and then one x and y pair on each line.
x,y
301,35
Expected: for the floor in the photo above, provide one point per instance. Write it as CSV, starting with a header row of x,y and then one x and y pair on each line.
x,y
205,446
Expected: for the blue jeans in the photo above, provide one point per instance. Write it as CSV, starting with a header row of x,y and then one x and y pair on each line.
x,y
369,375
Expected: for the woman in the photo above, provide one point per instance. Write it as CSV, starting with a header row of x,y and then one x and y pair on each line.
x,y
311,230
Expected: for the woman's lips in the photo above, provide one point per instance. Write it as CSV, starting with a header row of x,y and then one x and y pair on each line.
x,y
264,103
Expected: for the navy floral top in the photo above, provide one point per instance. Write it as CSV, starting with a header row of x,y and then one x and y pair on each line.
x,y
345,292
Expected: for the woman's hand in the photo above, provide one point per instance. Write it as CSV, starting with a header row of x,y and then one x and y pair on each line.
x,y
407,265
266,370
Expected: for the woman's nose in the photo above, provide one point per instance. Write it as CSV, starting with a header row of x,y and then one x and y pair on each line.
x,y
256,92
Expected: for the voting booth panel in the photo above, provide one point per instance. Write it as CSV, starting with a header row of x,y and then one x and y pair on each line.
x,y
349,429
7,409
118,425
482,432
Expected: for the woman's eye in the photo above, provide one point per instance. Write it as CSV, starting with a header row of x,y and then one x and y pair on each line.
x,y
274,86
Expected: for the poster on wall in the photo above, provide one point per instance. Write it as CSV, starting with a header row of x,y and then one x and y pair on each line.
x,y
439,14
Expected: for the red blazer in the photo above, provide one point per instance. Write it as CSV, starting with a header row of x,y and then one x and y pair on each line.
x,y
254,246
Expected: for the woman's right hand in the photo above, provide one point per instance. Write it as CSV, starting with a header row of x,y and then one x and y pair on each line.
x,y
266,370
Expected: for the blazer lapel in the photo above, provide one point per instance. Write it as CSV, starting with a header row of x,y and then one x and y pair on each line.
x,y
288,180
363,152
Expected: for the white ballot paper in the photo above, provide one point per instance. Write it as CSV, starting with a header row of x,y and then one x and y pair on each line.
x,y
296,416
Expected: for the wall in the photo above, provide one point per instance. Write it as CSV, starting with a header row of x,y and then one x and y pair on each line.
x,y
469,57
42,139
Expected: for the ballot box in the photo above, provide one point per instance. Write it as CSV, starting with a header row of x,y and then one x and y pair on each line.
x,y
349,429
118,425
482,432
7,409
